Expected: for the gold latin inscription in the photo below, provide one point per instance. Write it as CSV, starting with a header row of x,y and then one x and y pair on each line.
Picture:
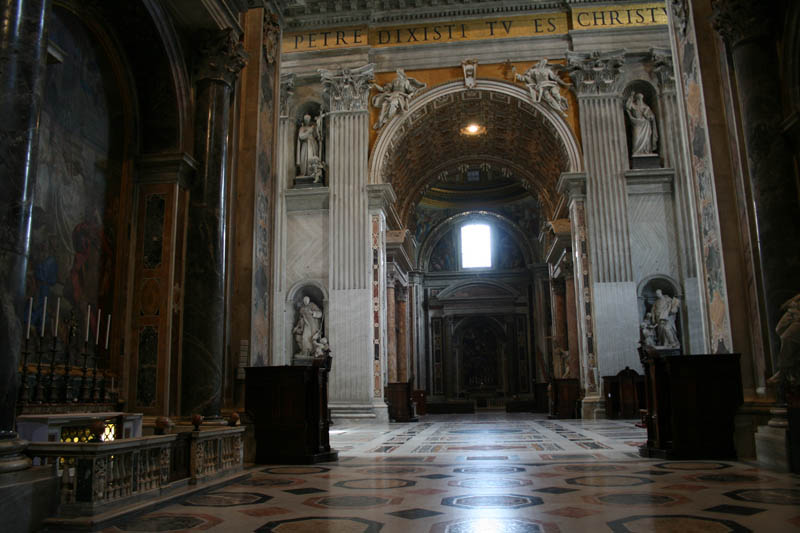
x,y
554,23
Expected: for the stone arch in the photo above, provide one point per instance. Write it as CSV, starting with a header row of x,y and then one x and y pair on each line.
x,y
427,246
516,117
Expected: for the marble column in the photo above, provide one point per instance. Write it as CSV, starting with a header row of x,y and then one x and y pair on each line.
x,y
559,326
573,187
401,318
749,32
391,330
571,311
220,59
281,321
540,279
417,315
597,79
23,50
350,275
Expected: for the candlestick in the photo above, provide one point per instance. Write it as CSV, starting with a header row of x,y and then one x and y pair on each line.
x,y
58,311
44,315
88,319
30,310
108,329
97,333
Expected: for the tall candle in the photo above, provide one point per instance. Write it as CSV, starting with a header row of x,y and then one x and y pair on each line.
x,y
108,329
30,310
97,333
44,314
88,319
58,310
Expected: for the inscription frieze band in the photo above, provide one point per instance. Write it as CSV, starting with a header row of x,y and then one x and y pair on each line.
x,y
526,26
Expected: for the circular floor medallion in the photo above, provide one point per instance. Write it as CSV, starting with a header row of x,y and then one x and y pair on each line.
x,y
692,465
636,498
776,496
493,525
375,483
609,481
591,468
492,501
162,523
489,483
681,523
267,481
296,470
727,478
489,470
313,524
225,499
348,502
391,469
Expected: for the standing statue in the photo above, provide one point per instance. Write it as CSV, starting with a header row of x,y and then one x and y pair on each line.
x,y
309,139
788,329
663,317
393,96
308,327
543,84
644,135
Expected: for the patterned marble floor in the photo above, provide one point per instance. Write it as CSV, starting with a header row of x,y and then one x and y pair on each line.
x,y
490,473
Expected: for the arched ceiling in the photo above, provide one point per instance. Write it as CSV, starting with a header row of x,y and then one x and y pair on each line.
x,y
517,138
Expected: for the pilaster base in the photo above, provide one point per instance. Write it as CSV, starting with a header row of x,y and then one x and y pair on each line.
x,y
28,497
12,456
593,408
377,412
772,442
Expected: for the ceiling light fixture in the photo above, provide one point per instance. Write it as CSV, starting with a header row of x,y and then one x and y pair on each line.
x,y
473,129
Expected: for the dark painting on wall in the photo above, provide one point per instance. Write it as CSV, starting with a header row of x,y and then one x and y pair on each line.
x,y
76,197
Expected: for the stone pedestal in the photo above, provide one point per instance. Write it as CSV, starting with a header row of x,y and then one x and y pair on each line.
x,y
645,161
772,441
27,498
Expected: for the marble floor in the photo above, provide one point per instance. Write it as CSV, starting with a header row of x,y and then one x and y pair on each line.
x,y
490,473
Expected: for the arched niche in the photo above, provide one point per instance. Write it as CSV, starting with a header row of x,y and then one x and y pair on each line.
x,y
646,294
650,98
317,294
314,109
505,228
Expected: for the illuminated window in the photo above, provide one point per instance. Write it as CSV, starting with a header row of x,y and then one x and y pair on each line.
x,y
476,246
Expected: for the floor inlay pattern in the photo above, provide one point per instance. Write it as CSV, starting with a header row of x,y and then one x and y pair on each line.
x,y
490,473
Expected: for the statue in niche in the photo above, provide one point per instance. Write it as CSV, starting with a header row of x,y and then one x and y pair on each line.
x,y
644,135
308,328
309,141
662,322
393,96
543,84
788,329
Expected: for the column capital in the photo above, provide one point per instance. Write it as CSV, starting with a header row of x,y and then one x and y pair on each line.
x,y
572,185
220,57
664,68
287,91
596,73
347,89
740,20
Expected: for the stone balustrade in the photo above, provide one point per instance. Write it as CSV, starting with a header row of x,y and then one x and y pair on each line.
x,y
97,476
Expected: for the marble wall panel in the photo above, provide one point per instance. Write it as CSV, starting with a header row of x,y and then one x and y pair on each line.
x,y
307,247
652,233
351,379
616,315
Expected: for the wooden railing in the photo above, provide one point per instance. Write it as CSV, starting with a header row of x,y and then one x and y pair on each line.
x,y
96,476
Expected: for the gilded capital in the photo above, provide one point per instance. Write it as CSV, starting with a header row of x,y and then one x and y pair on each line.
x,y
220,57
347,89
740,20
596,73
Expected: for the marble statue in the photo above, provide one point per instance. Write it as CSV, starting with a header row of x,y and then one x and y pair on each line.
x,y
663,318
788,329
393,96
543,84
470,68
308,327
309,140
321,347
644,135
647,331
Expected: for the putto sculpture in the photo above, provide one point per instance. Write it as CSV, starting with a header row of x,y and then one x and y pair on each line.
x,y
543,84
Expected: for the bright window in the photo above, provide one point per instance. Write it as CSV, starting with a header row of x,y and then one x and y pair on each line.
x,y
476,246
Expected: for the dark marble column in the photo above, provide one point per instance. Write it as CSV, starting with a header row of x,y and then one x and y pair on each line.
x,y
23,50
220,59
749,29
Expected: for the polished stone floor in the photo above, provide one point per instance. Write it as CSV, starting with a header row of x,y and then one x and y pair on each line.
x,y
491,473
